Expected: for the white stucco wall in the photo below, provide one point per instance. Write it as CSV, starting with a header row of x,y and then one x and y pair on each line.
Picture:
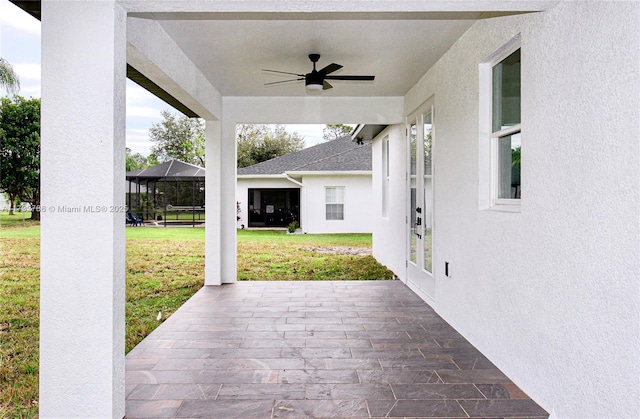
x,y
549,294
357,204
389,233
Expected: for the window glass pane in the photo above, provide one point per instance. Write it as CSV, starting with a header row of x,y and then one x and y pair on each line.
x,y
427,144
386,157
385,178
509,166
427,221
427,194
334,200
506,92
413,228
413,133
329,194
335,212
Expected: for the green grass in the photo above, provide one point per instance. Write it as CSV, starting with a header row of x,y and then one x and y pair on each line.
x,y
275,255
168,233
18,219
165,266
281,236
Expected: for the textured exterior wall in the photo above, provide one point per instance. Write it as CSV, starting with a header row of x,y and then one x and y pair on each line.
x,y
389,233
357,204
82,275
550,294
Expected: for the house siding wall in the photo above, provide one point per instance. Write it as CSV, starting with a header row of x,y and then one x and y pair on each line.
x,y
549,294
357,205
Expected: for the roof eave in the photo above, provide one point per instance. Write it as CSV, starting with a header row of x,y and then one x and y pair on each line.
x,y
367,132
330,173
262,176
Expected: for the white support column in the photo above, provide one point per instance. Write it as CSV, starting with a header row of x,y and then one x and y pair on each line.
x,y
213,181
220,234
82,279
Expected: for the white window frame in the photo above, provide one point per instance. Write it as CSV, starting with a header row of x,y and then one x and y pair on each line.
x,y
495,158
385,177
488,152
326,202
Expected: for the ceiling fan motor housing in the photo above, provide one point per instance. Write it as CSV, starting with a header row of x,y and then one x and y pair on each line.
x,y
313,79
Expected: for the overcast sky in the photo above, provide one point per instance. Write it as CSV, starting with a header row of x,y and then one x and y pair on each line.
x,y
20,45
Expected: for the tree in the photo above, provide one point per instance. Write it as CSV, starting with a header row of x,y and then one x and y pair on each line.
x,y
20,150
335,131
135,161
258,143
8,78
178,137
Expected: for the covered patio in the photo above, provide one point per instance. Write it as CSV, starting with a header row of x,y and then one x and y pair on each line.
x,y
347,349
545,286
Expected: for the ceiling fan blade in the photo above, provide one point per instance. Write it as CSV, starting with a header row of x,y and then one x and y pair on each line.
x,y
330,68
283,81
326,85
363,78
283,72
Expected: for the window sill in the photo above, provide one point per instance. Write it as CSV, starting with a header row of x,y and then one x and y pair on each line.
x,y
505,208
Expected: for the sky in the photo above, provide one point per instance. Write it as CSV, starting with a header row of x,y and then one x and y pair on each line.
x,y
20,45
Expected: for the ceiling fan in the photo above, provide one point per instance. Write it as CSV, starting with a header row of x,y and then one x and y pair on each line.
x,y
317,79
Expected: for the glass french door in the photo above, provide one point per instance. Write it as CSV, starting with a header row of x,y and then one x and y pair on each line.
x,y
420,131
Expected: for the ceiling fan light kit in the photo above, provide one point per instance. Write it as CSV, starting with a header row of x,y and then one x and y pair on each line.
x,y
317,79
313,86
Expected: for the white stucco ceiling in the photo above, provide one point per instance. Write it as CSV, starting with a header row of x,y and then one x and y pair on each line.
x,y
232,53
228,43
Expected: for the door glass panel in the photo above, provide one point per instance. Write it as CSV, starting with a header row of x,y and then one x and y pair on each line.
x,y
413,135
428,193
413,238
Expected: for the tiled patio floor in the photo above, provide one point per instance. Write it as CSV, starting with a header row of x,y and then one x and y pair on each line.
x,y
341,349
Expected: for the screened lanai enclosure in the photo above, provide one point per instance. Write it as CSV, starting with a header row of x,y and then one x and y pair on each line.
x,y
170,193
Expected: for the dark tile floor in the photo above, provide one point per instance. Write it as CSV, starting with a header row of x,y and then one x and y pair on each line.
x,y
343,349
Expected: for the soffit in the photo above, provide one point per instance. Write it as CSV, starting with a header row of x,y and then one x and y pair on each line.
x,y
232,53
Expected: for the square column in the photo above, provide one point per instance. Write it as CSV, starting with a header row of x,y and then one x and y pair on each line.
x,y
82,279
220,227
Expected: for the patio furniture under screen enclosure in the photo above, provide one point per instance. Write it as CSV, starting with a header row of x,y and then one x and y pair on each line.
x,y
171,193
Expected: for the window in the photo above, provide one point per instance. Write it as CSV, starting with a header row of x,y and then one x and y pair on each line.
x,y
505,129
385,177
334,202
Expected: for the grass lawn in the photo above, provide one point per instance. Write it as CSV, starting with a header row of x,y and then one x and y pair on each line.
x,y
165,266
275,255
18,219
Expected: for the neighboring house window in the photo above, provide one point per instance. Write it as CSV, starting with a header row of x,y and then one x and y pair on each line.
x,y
505,135
385,177
334,202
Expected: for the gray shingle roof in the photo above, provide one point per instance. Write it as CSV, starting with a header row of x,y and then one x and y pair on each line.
x,y
168,169
339,155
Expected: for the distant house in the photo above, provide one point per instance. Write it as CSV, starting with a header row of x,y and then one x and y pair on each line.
x,y
326,188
